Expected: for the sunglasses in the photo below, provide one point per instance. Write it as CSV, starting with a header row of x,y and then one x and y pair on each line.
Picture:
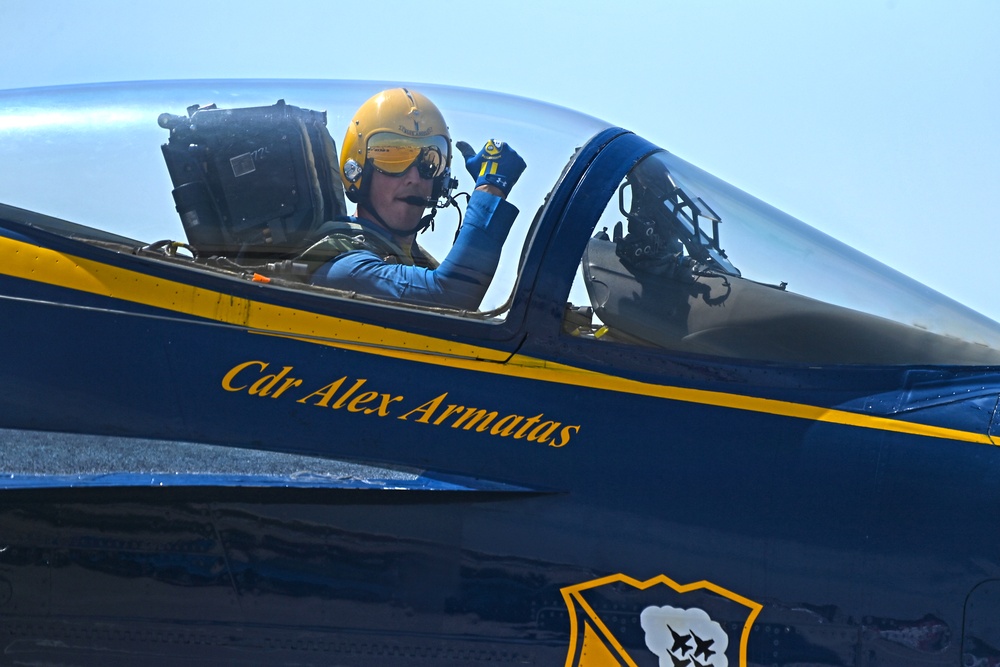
x,y
392,154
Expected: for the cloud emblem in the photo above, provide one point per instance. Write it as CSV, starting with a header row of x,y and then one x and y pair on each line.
x,y
684,637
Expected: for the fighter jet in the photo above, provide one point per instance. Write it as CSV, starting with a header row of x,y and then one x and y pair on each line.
x,y
675,408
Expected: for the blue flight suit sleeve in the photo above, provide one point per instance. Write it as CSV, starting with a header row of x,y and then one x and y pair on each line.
x,y
460,281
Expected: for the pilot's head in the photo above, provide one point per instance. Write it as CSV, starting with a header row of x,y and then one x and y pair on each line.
x,y
396,157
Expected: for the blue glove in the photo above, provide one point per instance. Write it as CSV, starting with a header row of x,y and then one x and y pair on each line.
x,y
497,164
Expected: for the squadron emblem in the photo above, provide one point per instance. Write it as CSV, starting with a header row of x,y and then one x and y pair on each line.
x,y
684,637
618,620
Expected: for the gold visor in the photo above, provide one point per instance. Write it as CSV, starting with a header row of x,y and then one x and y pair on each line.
x,y
393,153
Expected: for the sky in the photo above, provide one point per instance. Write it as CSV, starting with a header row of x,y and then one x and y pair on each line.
x,y
876,121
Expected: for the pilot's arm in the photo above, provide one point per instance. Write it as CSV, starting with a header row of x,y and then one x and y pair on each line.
x,y
460,281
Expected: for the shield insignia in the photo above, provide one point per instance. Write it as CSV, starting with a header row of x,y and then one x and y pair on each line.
x,y
617,621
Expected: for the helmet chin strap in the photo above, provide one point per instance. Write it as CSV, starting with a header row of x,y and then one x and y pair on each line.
x,y
425,222
427,202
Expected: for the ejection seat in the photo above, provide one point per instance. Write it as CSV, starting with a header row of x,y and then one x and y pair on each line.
x,y
252,184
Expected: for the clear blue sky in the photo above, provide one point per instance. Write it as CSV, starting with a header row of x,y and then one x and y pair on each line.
x,y
877,121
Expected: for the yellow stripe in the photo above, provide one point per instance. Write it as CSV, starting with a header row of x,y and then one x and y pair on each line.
x,y
24,260
550,372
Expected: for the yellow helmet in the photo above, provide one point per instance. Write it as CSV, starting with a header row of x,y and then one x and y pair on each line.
x,y
391,132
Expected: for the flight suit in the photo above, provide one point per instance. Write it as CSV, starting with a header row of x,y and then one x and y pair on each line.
x,y
359,257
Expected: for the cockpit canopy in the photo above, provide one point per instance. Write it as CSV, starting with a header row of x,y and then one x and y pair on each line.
x,y
678,259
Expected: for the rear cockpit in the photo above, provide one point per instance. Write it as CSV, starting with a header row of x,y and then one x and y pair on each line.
x,y
656,274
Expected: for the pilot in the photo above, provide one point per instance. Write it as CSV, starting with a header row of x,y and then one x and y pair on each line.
x,y
395,163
